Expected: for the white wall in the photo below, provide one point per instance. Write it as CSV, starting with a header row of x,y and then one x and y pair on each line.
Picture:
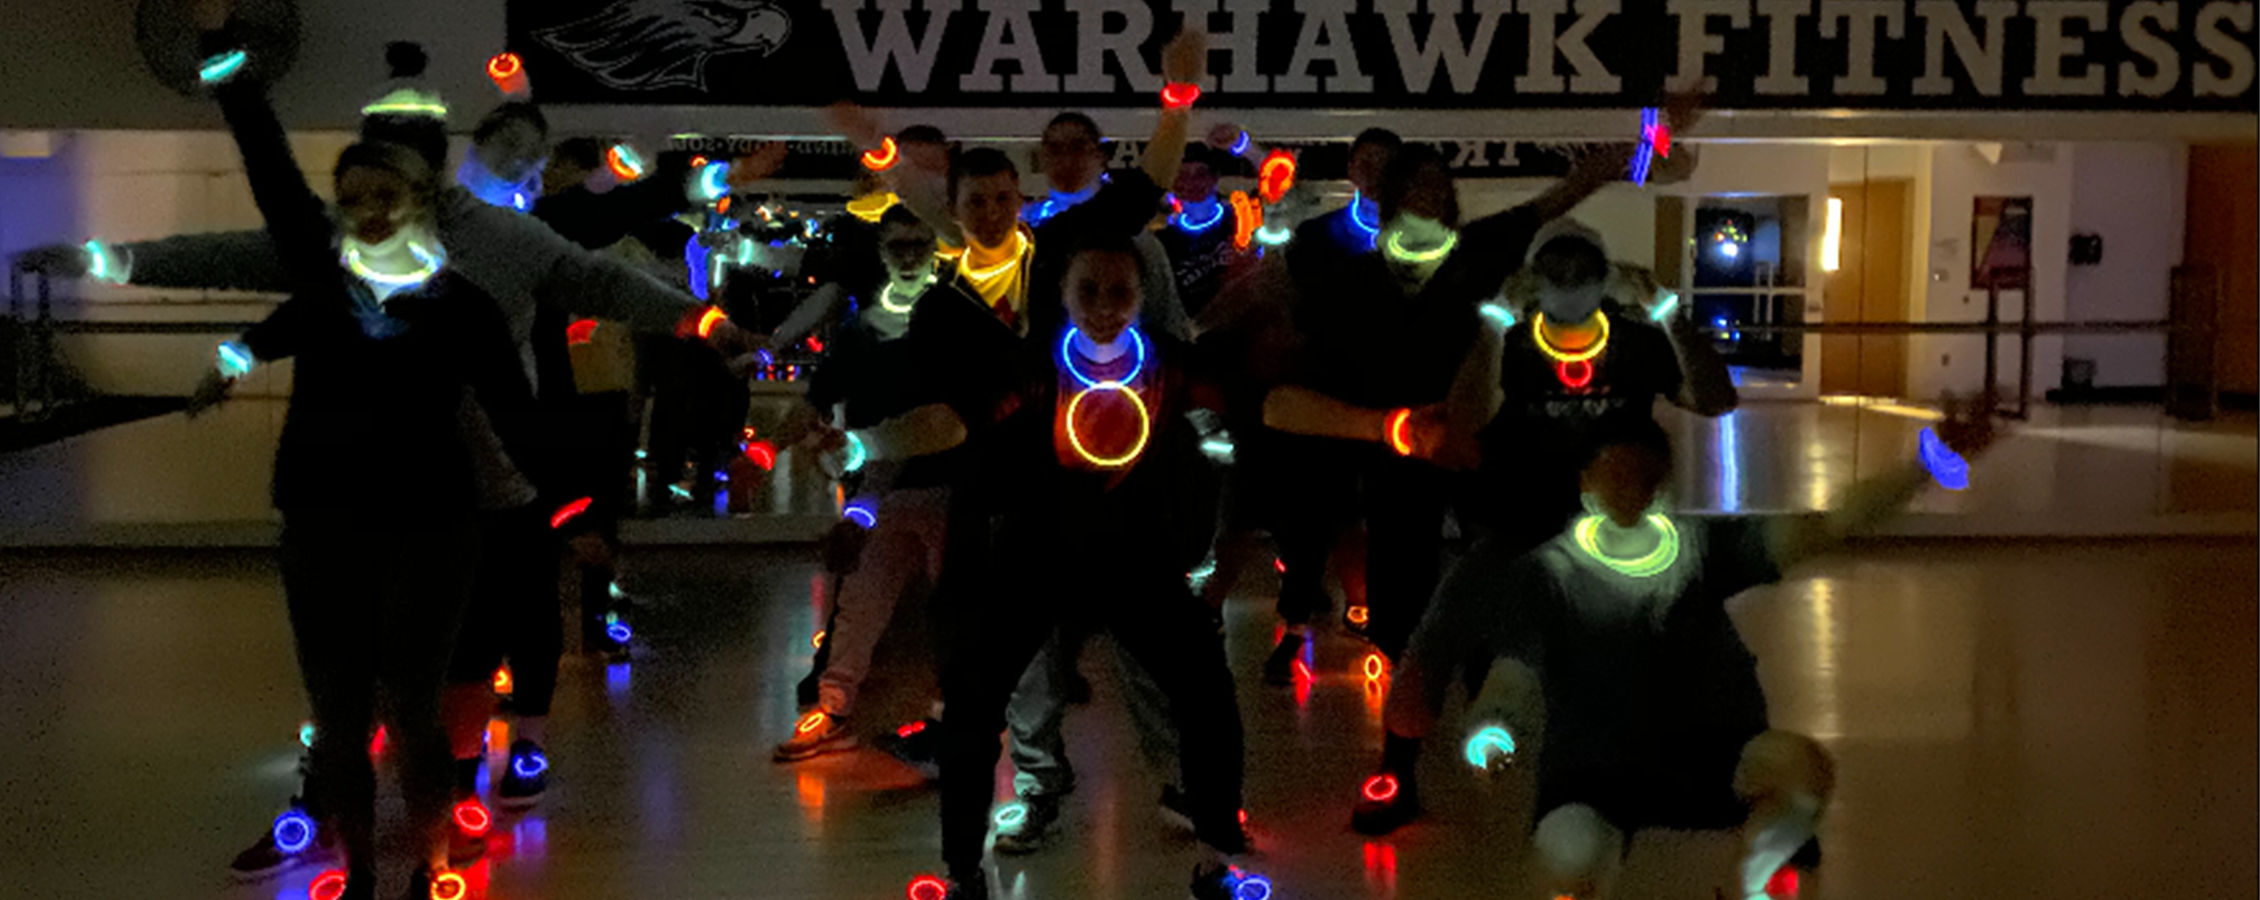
x,y
1939,363
2133,196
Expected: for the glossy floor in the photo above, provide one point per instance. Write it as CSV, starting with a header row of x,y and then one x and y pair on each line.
x,y
2010,720
2070,470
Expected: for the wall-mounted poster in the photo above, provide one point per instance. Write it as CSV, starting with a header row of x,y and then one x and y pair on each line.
x,y
2001,243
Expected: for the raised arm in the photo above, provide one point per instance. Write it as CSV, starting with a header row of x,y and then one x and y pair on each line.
x,y
922,190
1183,61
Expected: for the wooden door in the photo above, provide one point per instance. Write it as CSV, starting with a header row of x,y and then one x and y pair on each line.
x,y
1869,285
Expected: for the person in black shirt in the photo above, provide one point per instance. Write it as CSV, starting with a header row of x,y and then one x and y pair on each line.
x,y
896,520
1085,481
1200,230
1648,703
400,365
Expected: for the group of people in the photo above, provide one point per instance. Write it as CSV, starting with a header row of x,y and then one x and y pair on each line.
x,y
1055,417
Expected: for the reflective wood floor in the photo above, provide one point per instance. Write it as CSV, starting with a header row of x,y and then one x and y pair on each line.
x,y
2062,720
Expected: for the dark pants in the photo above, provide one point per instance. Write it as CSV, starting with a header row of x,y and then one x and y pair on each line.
x,y
601,455
1405,501
698,409
1145,604
377,604
515,614
1311,488
1687,784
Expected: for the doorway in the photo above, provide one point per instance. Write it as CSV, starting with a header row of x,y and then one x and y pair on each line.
x,y
1869,222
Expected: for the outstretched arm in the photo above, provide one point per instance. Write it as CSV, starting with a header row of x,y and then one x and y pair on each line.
x,y
1967,430
923,191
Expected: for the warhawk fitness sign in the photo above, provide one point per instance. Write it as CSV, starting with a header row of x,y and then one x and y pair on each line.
x,y
2154,55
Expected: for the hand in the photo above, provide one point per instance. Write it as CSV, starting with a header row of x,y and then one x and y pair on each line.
x,y
757,164
1605,162
1434,440
1968,427
854,123
1682,112
1224,136
54,261
211,391
1185,59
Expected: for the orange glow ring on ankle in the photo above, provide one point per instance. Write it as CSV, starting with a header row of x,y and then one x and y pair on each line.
x,y
810,722
502,680
329,885
1398,439
449,886
473,818
1380,788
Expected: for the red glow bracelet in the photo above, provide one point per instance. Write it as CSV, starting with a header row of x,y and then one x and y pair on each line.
x,y
1398,439
700,322
883,158
1179,96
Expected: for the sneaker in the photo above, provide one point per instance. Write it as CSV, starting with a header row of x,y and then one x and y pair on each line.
x,y
612,639
467,841
816,734
918,744
1279,669
973,886
526,779
1384,805
1216,881
293,840
1024,824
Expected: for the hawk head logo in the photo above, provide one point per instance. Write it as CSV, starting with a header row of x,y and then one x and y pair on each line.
x,y
635,45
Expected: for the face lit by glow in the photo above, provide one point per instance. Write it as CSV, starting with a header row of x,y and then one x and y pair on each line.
x,y
1071,156
907,250
988,208
1623,480
376,202
1196,183
1102,292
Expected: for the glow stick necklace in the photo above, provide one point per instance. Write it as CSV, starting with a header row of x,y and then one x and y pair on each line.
x,y
1666,552
1573,367
1185,223
887,297
428,264
1372,229
1397,250
995,282
1093,386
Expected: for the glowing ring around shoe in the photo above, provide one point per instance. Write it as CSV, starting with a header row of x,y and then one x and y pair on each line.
x,y
1145,426
619,632
329,885
928,887
449,886
1487,741
1248,885
1011,815
539,764
473,818
1947,467
1380,788
294,832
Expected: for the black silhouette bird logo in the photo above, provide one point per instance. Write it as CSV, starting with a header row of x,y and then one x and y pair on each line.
x,y
636,45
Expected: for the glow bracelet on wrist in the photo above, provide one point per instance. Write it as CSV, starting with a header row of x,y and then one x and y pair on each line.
x,y
700,322
884,158
712,183
1399,439
220,68
1667,300
626,164
235,360
1240,146
1179,95
860,512
108,264
1655,141
1275,176
1947,467
1488,741
857,453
